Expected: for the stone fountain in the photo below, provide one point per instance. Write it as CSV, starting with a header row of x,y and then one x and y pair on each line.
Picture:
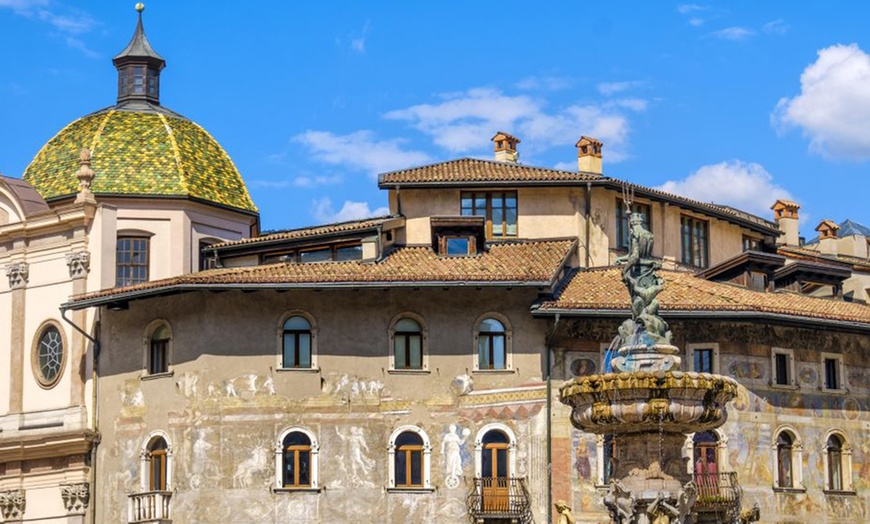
x,y
647,404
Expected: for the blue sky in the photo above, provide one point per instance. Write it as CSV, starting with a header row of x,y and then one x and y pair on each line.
x,y
733,102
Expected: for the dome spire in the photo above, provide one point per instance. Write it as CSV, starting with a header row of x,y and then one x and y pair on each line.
x,y
139,67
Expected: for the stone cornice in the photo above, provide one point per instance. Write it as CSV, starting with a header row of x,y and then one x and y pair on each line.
x,y
20,446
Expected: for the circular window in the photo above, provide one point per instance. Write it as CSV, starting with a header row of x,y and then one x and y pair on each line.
x,y
49,356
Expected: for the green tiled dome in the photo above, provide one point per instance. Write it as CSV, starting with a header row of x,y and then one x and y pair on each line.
x,y
143,150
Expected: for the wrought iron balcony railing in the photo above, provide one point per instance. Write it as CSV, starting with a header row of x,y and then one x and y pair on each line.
x,y
149,507
718,492
500,497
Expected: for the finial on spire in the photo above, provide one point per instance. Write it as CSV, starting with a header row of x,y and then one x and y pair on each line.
x,y
140,7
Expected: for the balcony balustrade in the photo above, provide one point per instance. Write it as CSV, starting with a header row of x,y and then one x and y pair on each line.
x,y
504,498
150,507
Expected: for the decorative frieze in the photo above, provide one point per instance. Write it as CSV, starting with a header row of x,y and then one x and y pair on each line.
x,y
17,273
12,503
76,497
79,263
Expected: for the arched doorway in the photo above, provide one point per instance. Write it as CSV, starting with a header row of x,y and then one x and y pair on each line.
x,y
495,470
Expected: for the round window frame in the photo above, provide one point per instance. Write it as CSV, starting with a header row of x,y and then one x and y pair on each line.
x,y
34,355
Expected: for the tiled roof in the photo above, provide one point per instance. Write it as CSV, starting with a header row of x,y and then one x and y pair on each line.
x,y
470,170
802,253
308,232
141,153
602,289
518,263
31,202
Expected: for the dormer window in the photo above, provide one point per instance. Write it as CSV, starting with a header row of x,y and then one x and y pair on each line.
x,y
458,246
457,236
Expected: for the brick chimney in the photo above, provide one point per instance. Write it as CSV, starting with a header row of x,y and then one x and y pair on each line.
x,y
785,214
589,155
506,147
827,237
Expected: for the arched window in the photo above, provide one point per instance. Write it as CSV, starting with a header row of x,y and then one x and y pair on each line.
x,y
493,345
156,472
158,350
788,460
297,343
495,464
835,463
409,456
407,344
706,464
296,459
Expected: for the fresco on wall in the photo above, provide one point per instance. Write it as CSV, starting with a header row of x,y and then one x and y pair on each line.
x,y
455,454
746,369
581,367
354,461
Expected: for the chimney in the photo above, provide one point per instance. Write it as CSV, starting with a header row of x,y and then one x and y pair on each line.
x,y
589,155
785,214
506,147
827,237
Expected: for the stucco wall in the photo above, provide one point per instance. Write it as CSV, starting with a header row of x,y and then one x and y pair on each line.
x,y
225,402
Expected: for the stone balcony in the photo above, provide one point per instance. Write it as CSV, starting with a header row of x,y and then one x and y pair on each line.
x,y
150,507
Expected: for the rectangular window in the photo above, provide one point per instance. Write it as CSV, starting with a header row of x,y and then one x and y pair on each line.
x,y
204,261
781,372
622,226
457,246
703,361
751,244
499,208
316,255
832,371
352,252
694,241
131,261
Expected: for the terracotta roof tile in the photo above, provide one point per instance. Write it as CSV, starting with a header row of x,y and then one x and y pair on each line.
x,y
307,232
802,253
476,170
602,289
534,263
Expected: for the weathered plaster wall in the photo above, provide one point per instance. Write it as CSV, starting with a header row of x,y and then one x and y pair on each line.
x,y
759,411
225,403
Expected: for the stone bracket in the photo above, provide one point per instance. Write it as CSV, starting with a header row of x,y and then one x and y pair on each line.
x,y
76,497
18,274
79,263
12,504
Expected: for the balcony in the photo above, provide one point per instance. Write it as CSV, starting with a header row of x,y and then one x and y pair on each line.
x,y
150,507
719,496
499,499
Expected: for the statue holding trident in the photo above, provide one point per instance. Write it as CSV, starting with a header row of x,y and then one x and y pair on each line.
x,y
645,332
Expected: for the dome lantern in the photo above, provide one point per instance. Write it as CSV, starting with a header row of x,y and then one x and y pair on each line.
x,y
139,67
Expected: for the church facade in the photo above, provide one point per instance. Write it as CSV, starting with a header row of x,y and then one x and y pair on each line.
x,y
402,368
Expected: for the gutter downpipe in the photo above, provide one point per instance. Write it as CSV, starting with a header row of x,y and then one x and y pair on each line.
x,y
94,415
550,422
588,225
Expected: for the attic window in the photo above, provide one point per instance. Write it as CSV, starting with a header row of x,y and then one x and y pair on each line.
x,y
457,246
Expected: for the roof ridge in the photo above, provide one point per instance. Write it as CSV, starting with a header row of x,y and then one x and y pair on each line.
x,y
181,175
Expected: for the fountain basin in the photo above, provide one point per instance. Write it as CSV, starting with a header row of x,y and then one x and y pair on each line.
x,y
642,402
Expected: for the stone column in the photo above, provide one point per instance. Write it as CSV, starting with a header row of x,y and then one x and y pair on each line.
x,y
17,272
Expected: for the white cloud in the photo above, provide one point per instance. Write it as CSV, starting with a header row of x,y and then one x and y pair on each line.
x,y
684,9
775,27
733,33
611,88
833,107
461,121
696,22
358,45
744,185
71,22
361,151
544,83
323,210
300,181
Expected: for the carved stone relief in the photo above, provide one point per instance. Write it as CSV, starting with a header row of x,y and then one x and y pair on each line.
x,y
79,263
18,273
12,504
76,497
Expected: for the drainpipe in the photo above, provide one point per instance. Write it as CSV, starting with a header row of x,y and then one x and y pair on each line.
x,y
94,413
548,369
588,224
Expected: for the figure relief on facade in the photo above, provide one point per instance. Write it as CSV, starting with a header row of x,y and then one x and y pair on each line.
x,y
17,273
357,464
256,464
350,386
451,448
187,384
79,263
12,504
462,385
76,497
201,465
